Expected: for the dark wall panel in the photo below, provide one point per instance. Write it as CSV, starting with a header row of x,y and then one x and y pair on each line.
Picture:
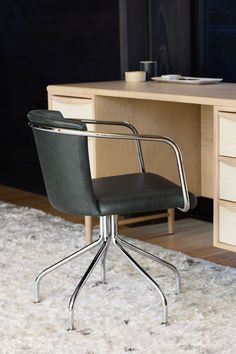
x,y
220,39
41,43
134,36
170,28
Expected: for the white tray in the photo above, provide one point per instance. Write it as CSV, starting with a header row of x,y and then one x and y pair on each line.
x,y
187,80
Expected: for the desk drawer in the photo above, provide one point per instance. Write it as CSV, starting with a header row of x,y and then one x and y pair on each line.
x,y
227,178
227,222
227,134
72,107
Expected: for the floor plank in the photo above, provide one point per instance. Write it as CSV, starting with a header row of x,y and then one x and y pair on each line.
x,y
191,236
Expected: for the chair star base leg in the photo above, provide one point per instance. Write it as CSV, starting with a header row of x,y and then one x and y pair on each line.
x,y
59,264
71,326
103,263
117,242
156,259
83,280
149,278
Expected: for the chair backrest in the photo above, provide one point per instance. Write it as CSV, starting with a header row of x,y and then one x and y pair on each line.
x,y
65,163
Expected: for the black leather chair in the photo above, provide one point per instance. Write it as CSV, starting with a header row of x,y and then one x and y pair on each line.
x,y
63,153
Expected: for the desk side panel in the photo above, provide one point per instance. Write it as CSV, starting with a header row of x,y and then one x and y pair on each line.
x,y
207,154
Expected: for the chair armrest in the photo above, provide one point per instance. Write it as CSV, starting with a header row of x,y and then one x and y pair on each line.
x,y
152,138
124,124
161,139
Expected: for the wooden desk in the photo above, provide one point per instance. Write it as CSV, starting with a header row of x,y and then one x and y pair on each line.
x,y
192,115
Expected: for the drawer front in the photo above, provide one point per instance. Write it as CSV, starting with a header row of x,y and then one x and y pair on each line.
x,y
70,107
227,225
227,180
227,135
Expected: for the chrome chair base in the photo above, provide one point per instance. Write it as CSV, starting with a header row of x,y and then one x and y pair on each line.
x,y
108,233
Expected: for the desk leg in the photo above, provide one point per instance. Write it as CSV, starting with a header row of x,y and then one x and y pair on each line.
x,y
171,218
88,229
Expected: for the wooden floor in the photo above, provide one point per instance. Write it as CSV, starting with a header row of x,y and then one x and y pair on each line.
x,y
191,236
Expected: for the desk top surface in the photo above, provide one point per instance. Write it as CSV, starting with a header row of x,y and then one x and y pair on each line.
x,y
220,94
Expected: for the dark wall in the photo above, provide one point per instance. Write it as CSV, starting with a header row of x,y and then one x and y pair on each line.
x,y
41,43
148,25
171,28
220,39
199,37
134,33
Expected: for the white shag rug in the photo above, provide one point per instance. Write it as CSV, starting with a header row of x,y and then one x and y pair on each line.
x,y
122,316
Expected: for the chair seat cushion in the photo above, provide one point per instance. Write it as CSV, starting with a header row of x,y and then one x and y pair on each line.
x,y
136,193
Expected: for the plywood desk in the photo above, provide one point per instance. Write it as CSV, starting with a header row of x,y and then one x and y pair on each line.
x,y
200,118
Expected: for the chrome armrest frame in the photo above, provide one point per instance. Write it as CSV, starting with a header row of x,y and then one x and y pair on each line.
x,y
124,124
154,138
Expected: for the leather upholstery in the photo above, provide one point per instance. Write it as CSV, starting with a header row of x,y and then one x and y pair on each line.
x,y
55,119
66,171
65,164
138,192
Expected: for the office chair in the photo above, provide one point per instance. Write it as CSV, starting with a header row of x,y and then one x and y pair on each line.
x,y
63,153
